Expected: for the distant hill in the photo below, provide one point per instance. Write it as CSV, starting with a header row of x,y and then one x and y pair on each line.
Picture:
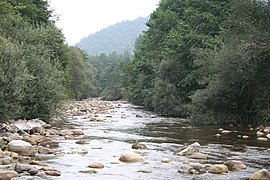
x,y
118,37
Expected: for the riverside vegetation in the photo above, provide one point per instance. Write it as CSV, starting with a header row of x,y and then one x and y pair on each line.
x,y
206,60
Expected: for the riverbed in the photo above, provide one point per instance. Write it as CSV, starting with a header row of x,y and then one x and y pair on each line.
x,y
124,124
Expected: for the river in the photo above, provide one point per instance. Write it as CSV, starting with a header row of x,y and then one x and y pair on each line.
x,y
126,124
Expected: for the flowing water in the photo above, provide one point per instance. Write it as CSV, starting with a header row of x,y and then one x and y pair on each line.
x,y
115,136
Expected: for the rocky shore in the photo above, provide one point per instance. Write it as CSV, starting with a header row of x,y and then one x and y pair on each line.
x,y
25,145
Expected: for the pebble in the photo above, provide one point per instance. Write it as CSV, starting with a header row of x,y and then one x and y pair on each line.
x,y
262,139
97,165
88,171
259,133
166,161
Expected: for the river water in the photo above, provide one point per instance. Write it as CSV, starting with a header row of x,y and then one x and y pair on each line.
x,y
129,124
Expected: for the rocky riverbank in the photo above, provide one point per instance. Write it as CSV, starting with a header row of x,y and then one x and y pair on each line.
x,y
27,145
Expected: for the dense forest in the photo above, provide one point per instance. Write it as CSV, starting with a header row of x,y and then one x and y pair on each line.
x,y
119,38
203,59
207,60
37,69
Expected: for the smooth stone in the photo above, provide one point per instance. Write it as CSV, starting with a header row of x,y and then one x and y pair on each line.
x,y
145,171
97,165
152,116
234,165
8,175
97,119
78,132
19,168
198,155
14,155
225,131
268,136
29,139
53,173
88,171
138,146
217,135
44,150
5,161
131,157
21,147
266,130
165,161
50,144
260,175
218,169
82,142
38,138
245,137
64,132
33,171
262,139
259,133
69,137
195,147
39,130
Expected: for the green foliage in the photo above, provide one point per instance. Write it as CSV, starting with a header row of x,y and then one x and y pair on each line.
x,y
12,78
34,11
82,82
36,68
238,87
204,59
110,75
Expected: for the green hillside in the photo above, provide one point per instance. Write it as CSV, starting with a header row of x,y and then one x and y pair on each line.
x,y
118,37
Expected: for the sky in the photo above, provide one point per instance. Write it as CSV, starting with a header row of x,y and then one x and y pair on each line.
x,y
80,18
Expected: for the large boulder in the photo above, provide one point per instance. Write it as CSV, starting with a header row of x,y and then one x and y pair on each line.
x,y
234,165
219,169
131,157
21,147
198,155
260,175
191,149
8,175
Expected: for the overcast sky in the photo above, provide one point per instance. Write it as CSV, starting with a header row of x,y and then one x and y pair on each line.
x,y
79,18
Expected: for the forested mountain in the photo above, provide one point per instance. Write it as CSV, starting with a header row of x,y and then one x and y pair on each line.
x,y
37,70
119,37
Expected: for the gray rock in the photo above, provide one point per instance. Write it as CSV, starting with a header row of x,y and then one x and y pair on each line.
x,y
8,175
260,175
218,169
131,157
33,171
191,149
234,165
21,147
6,161
138,146
39,130
19,168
